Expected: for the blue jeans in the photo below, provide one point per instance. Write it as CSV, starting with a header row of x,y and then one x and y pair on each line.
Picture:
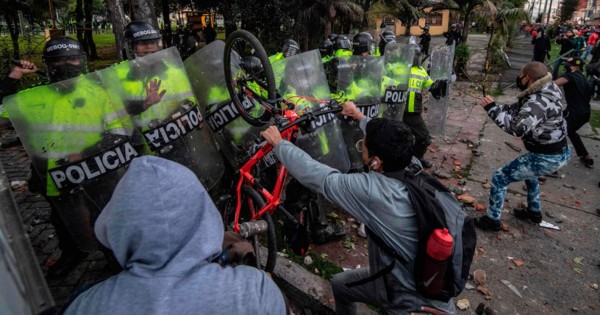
x,y
526,167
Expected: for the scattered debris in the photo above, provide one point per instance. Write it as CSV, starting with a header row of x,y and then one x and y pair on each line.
x,y
308,260
466,198
569,186
16,184
575,309
456,190
487,186
517,262
578,270
484,290
457,163
481,250
548,225
479,207
462,182
505,227
578,260
512,146
593,286
463,304
477,152
512,287
499,237
479,277
550,214
316,271
469,286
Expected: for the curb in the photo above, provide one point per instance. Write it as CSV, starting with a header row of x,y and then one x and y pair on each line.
x,y
306,289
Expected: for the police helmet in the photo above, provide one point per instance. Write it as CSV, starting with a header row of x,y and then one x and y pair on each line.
x,y
417,56
342,42
290,48
64,59
326,48
386,37
332,37
362,43
140,32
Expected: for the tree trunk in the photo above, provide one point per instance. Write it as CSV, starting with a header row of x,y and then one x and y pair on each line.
x,y
117,19
144,11
167,32
88,34
80,23
10,17
488,60
328,28
466,24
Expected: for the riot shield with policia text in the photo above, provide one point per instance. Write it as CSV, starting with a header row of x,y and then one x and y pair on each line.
x,y
79,144
398,60
234,136
358,80
304,86
156,92
442,59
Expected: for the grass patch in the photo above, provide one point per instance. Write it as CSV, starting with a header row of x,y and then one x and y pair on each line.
x,y
321,266
595,118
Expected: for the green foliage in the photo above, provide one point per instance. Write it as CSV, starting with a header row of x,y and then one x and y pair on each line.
x,y
498,63
567,10
462,54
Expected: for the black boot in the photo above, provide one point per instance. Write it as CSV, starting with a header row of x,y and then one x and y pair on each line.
x,y
526,214
327,234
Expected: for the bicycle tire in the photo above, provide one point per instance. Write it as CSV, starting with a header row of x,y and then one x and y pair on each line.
x,y
271,240
258,51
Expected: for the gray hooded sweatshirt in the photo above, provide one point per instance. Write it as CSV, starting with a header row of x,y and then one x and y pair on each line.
x,y
164,230
383,205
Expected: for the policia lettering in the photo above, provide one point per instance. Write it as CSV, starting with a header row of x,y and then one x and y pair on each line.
x,y
75,174
173,129
225,113
393,96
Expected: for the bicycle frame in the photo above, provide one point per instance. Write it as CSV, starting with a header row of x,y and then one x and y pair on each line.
x,y
272,199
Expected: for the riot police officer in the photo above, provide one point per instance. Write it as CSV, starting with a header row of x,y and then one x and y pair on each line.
x,y
342,46
66,123
386,37
419,81
326,49
290,47
363,44
425,40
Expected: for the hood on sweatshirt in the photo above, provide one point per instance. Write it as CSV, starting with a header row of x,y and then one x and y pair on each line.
x,y
160,220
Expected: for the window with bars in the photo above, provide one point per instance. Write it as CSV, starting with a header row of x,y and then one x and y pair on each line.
x,y
434,19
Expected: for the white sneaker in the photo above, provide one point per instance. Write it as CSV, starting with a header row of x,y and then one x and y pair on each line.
x,y
361,230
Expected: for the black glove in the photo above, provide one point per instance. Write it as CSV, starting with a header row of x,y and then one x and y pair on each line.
x,y
438,89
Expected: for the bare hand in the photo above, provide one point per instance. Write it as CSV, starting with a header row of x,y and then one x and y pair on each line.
x,y
350,109
429,310
152,94
27,68
272,135
487,100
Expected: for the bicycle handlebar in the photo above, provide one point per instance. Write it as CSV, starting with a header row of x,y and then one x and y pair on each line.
x,y
332,108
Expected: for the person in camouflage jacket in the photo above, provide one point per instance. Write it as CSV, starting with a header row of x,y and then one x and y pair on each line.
x,y
536,118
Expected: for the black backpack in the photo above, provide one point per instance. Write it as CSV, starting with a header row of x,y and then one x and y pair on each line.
x,y
435,207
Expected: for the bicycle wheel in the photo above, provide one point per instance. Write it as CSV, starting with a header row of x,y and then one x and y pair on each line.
x,y
258,201
249,77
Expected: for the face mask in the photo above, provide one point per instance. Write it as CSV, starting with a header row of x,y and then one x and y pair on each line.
x,y
520,84
64,72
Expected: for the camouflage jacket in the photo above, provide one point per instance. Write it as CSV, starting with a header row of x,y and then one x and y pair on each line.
x,y
537,117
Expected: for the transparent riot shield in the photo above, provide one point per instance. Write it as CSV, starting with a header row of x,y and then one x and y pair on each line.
x,y
359,80
398,60
79,145
156,92
442,59
304,86
23,290
234,136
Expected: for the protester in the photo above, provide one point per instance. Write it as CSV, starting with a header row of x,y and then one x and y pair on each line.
x,y
537,118
381,202
578,93
567,44
453,36
165,231
10,84
591,42
541,46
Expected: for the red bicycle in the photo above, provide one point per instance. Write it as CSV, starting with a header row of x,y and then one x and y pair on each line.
x,y
250,81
